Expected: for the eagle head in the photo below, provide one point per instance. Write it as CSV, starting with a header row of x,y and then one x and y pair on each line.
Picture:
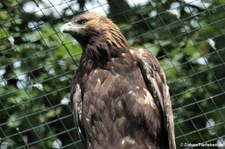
x,y
88,28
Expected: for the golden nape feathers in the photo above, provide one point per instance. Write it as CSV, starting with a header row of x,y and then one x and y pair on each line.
x,y
90,25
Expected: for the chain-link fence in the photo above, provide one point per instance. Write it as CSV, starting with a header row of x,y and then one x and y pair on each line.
x,y
37,63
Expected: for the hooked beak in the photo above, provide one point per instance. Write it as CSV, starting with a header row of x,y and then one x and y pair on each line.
x,y
66,28
70,28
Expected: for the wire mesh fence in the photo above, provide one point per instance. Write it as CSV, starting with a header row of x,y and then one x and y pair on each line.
x,y
37,63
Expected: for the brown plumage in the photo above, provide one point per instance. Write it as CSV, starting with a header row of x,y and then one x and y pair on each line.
x,y
119,94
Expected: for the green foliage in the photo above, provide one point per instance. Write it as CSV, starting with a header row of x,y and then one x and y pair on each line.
x,y
37,64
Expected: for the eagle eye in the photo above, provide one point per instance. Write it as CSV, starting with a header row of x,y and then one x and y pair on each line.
x,y
82,21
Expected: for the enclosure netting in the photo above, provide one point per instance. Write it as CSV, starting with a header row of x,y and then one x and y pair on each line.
x,y
37,62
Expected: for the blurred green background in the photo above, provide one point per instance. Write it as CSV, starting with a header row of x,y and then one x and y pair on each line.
x,y
37,63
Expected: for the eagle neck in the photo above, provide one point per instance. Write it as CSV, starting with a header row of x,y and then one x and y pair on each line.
x,y
99,51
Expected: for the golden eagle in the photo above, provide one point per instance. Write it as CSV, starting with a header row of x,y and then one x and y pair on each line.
x,y
119,94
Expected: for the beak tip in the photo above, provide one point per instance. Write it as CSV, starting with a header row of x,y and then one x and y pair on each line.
x,y
62,29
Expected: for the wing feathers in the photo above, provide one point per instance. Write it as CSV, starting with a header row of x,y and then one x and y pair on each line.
x,y
156,82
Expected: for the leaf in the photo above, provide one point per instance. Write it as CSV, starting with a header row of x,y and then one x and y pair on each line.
x,y
14,120
212,43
